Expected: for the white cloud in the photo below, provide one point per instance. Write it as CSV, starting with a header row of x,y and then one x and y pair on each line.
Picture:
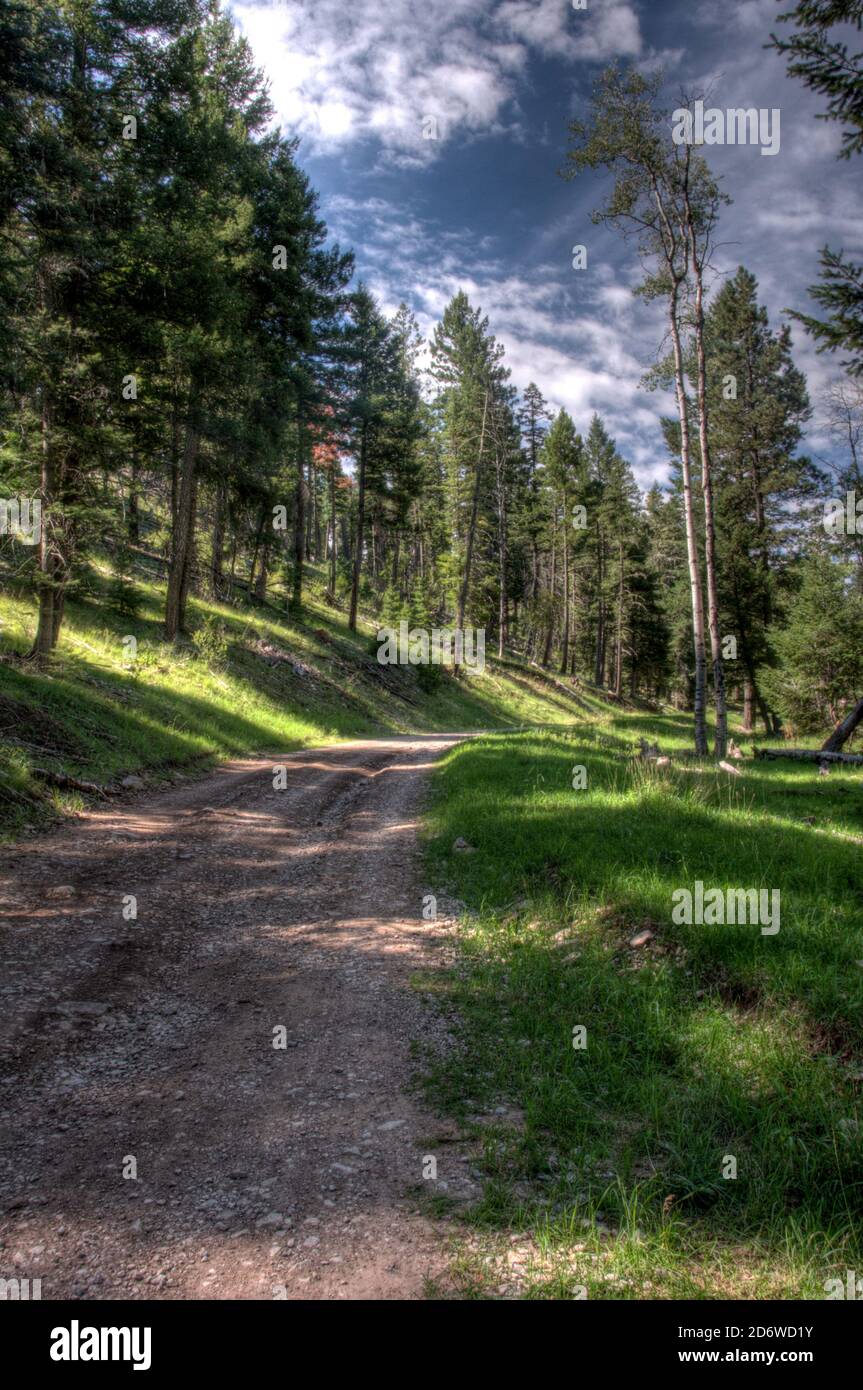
x,y
584,339
604,29
341,73
372,71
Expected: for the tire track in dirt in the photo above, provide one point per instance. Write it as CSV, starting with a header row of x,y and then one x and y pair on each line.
x,y
262,1171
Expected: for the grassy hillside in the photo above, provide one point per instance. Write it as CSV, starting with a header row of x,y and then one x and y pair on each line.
x,y
252,680
703,1043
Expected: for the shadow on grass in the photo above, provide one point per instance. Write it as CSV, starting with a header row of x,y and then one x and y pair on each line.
x,y
707,1042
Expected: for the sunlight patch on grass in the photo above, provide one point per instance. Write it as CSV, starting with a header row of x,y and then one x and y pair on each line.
x,y
708,1048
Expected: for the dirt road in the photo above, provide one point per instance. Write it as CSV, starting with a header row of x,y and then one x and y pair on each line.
x,y
156,1143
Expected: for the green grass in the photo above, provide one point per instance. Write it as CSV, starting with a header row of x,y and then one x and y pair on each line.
x,y
708,1042
96,716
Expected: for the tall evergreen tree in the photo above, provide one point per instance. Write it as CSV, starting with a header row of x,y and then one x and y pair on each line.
x,y
466,362
818,55
758,405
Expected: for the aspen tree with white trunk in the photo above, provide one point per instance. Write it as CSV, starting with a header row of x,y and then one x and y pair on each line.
x,y
701,200
630,136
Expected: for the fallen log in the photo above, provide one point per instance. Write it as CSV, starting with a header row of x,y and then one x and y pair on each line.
x,y
811,755
844,729
62,779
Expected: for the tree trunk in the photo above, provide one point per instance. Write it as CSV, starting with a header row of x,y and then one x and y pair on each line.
x,y
599,652
502,617
44,640
844,730
233,570
463,591
564,656
333,530
770,726
691,548
261,586
189,562
182,537
311,529
262,520
748,704
361,518
175,462
618,646
811,755
296,601
396,550
133,522
57,614
721,731
218,538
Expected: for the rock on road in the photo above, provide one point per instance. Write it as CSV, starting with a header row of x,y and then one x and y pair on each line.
x,y
145,1046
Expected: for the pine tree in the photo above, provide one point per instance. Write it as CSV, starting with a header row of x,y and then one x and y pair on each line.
x,y
69,223
533,417
824,64
758,405
562,465
466,364
373,355
820,651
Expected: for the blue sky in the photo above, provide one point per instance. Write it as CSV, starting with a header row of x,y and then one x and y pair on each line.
x,y
481,207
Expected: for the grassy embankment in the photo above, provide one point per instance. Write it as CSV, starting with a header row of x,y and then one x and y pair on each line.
x,y
253,680
708,1043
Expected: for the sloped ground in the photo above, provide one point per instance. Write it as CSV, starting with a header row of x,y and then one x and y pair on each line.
x,y
251,679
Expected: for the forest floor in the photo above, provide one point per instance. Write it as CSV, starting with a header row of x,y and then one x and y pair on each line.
x,y
152,1045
